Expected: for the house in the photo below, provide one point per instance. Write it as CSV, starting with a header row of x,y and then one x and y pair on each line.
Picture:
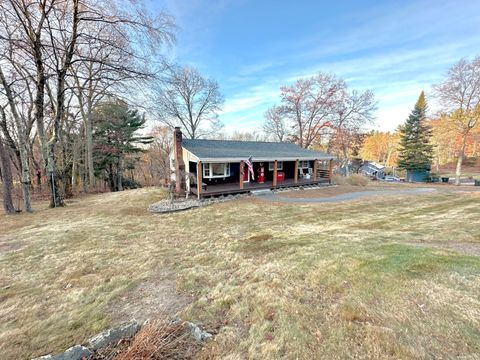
x,y
216,167
373,170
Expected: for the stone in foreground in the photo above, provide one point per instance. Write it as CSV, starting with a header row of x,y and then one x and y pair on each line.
x,y
77,352
113,335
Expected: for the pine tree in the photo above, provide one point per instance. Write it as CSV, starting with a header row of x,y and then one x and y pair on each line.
x,y
416,151
116,140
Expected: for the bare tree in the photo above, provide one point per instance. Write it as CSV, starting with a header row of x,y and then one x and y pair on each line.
x,y
159,154
353,113
246,136
274,125
318,110
7,182
22,135
72,49
108,63
190,100
309,105
460,97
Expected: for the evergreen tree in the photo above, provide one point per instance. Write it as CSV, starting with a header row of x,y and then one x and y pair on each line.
x,y
416,151
116,140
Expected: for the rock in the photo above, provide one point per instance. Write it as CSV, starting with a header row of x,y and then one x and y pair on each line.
x,y
113,335
166,206
77,352
199,334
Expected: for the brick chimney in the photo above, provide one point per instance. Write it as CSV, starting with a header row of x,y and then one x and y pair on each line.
x,y
179,164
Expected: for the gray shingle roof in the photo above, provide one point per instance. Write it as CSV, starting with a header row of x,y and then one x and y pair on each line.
x,y
229,149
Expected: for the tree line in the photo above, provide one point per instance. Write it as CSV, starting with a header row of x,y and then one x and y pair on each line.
x,y
78,79
450,135
60,61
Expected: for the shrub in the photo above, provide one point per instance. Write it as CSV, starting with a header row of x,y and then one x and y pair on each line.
x,y
353,179
161,339
338,179
130,183
358,180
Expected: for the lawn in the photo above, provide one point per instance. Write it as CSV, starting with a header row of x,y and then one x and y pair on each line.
x,y
383,278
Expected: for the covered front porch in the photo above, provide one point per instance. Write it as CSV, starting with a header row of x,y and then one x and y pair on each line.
x,y
234,188
276,174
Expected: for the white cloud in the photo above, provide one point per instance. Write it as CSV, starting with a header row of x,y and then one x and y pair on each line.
x,y
395,49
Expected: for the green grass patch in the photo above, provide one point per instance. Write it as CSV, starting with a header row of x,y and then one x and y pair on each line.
x,y
379,278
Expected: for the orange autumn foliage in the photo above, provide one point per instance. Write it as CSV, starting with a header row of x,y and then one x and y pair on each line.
x,y
380,147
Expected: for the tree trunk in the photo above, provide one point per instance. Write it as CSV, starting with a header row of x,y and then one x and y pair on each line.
x,y
23,144
461,155
39,105
345,157
25,178
39,179
111,179
120,174
56,199
389,155
7,182
89,148
73,179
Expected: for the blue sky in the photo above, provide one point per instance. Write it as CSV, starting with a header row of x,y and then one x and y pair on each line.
x,y
252,48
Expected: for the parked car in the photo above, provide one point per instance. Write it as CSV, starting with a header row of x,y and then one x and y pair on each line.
x,y
391,178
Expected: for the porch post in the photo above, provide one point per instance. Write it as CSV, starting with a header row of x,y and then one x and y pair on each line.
x,y
242,169
295,175
275,172
199,178
330,170
315,170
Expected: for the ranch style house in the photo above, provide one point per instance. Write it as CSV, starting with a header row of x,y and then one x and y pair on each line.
x,y
219,167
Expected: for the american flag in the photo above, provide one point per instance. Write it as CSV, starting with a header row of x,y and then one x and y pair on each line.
x,y
250,167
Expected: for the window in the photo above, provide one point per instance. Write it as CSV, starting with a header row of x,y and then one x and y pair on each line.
x,y
216,170
272,164
303,164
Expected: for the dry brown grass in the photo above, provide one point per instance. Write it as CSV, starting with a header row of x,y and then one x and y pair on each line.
x,y
331,191
352,179
161,339
270,280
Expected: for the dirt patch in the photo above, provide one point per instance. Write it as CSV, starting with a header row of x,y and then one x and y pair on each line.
x,y
152,298
9,245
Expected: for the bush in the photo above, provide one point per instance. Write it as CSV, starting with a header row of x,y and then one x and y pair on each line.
x,y
128,183
161,339
353,179
338,179
358,180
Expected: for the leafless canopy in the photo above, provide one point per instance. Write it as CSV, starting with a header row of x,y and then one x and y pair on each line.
x,y
58,59
188,99
459,94
274,125
318,105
